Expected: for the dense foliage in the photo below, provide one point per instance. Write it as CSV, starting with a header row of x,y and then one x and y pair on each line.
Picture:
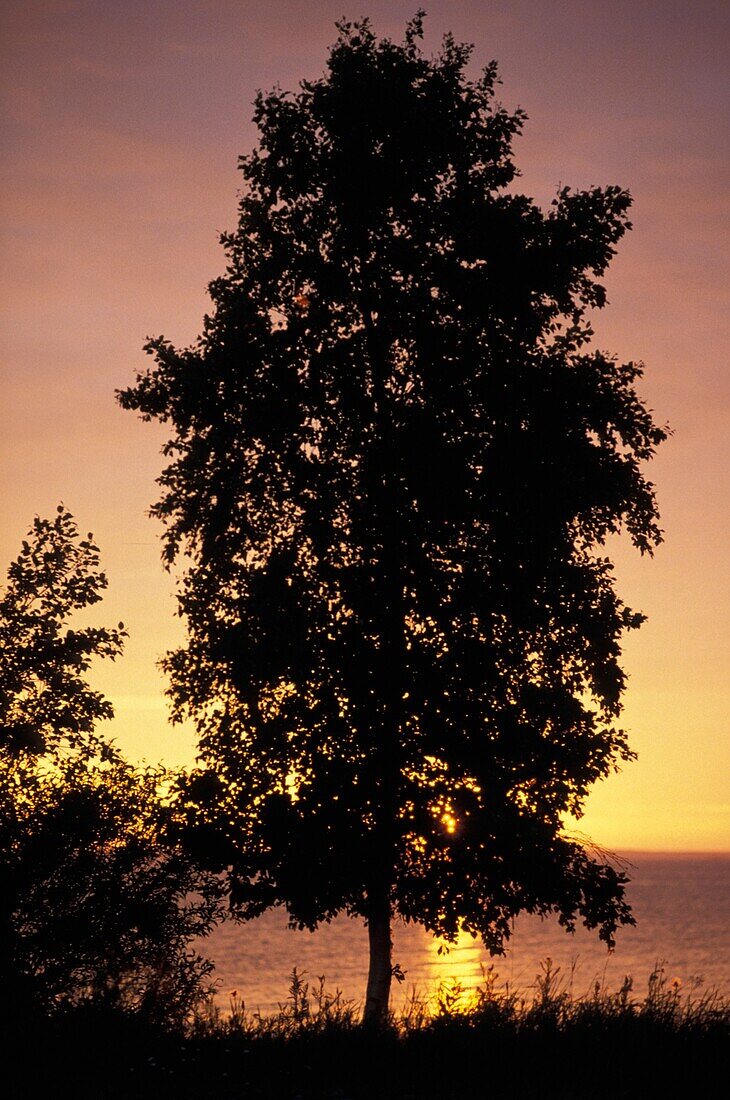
x,y
96,909
98,906
394,460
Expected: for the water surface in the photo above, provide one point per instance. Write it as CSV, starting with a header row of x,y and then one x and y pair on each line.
x,y
681,904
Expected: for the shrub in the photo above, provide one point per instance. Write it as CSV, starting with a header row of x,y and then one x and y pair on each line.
x,y
97,910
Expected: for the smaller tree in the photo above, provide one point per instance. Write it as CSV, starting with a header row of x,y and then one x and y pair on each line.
x,y
97,904
46,704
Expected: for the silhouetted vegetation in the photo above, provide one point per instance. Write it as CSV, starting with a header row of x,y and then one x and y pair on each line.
x,y
98,906
493,1044
395,458
46,703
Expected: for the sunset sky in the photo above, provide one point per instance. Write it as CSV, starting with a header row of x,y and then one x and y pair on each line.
x,y
122,124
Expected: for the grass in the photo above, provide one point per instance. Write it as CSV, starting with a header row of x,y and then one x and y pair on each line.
x,y
493,1043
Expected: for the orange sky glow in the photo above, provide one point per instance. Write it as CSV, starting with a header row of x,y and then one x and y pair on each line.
x,y
122,123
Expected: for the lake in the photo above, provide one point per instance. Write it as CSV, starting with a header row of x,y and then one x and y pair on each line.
x,y
681,904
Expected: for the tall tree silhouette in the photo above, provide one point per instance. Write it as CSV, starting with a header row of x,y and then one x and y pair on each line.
x,y
395,459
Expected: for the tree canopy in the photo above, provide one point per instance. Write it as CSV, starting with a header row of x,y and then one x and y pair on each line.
x,y
46,702
395,457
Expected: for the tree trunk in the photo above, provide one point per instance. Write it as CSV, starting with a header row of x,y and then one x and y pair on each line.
x,y
381,967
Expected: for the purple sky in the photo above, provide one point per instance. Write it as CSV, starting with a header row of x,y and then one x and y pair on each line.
x,y
122,123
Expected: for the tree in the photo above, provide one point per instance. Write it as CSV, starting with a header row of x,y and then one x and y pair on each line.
x,y
395,459
46,704
97,904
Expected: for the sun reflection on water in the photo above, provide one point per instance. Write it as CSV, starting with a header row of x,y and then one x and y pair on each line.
x,y
458,965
